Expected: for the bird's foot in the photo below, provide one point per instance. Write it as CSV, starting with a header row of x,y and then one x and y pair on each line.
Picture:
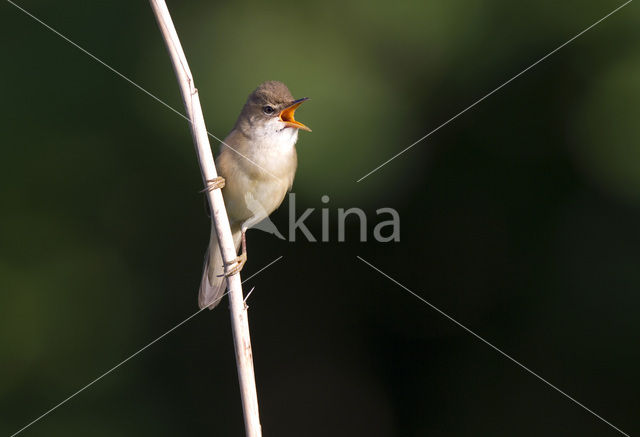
x,y
238,264
214,183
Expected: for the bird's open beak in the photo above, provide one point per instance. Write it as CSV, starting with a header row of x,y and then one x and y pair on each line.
x,y
286,115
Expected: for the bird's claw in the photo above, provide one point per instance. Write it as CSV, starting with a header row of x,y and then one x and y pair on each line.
x,y
239,264
214,183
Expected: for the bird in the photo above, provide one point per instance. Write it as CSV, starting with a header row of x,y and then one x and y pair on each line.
x,y
256,166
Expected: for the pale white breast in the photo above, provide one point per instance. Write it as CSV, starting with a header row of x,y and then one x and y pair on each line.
x,y
273,148
258,181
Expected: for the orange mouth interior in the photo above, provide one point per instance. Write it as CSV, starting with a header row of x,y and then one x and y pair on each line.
x,y
286,115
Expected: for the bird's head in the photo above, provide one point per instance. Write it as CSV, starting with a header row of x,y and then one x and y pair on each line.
x,y
270,108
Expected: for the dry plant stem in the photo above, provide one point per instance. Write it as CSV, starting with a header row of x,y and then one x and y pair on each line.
x,y
239,318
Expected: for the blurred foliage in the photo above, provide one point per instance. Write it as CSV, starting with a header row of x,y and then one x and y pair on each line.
x,y
519,218
607,130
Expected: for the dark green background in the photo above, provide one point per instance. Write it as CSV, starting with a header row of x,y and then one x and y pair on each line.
x,y
519,219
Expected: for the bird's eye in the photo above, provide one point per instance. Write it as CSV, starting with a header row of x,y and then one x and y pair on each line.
x,y
268,109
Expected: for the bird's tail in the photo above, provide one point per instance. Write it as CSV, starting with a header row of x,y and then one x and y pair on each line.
x,y
214,283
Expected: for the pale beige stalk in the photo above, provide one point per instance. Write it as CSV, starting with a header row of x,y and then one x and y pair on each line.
x,y
239,317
